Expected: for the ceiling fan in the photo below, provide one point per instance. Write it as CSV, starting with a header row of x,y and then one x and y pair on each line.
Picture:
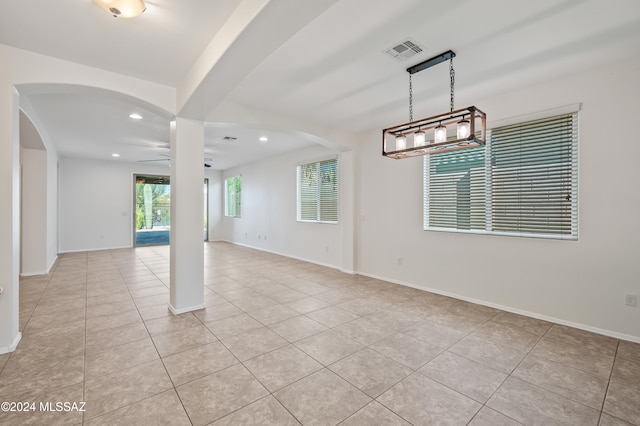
x,y
207,160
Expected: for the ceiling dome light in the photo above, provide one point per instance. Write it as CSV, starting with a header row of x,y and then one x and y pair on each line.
x,y
135,116
122,8
263,139
115,154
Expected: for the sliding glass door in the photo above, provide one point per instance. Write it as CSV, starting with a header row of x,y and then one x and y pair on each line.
x,y
152,204
152,210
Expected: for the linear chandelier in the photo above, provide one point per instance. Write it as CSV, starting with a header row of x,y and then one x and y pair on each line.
x,y
431,135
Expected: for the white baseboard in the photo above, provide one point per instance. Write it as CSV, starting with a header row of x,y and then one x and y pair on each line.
x,y
175,311
35,273
53,262
555,320
284,255
12,347
93,249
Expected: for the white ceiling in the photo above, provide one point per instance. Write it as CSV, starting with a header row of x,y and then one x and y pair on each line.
x,y
331,74
160,45
334,72
94,123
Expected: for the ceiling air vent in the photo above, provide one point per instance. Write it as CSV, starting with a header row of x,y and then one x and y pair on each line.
x,y
229,138
405,50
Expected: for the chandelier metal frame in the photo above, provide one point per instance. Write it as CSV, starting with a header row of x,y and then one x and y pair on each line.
x,y
472,119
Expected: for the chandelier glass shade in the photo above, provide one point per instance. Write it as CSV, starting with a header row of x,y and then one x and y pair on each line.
x,y
419,138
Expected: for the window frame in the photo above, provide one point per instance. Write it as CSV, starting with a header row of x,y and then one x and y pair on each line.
x,y
334,194
236,203
489,180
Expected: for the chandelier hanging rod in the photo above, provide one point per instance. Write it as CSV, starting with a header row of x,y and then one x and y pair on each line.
x,y
445,56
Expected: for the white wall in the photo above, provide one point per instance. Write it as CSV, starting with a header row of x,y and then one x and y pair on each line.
x,y
268,219
52,207
39,191
581,282
34,212
96,207
9,212
96,203
33,135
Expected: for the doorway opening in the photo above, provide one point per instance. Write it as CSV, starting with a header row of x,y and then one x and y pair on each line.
x,y
206,209
153,210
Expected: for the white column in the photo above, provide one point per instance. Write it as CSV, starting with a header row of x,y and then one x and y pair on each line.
x,y
9,217
187,220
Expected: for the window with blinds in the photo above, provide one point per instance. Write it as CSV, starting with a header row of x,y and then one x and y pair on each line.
x,y
318,191
233,191
523,182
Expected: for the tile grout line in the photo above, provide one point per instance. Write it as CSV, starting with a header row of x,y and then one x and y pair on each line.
x,y
606,391
608,380
84,352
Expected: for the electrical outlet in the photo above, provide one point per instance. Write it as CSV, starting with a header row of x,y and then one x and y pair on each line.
x,y
631,299
1,291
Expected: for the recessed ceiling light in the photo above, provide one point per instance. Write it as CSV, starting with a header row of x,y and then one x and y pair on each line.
x,y
263,139
115,154
135,116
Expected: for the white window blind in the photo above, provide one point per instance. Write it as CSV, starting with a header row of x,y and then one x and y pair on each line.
x,y
318,191
532,174
456,184
233,192
523,182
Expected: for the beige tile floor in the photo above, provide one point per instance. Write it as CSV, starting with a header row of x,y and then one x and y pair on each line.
x,y
284,342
